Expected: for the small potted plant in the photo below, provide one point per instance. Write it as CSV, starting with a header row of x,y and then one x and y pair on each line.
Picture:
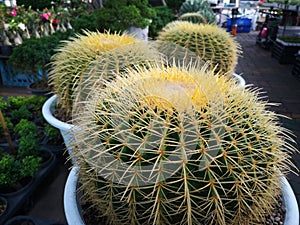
x,y
31,60
131,16
163,144
23,166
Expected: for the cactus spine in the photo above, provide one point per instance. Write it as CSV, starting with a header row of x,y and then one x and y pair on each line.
x,y
209,42
170,145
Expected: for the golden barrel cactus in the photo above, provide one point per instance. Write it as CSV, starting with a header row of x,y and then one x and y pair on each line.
x,y
178,145
73,58
211,43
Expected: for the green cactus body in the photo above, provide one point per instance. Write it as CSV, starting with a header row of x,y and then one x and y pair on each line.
x,y
190,6
73,58
170,145
203,16
209,42
197,11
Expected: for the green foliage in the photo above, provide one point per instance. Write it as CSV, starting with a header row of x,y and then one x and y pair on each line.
x,y
119,15
9,170
164,15
15,102
290,39
30,165
33,55
175,4
28,145
3,103
35,103
13,170
52,133
21,113
25,127
85,21
28,135
37,4
21,107
9,125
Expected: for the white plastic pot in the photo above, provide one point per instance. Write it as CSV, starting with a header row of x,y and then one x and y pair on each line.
x,y
139,33
74,217
239,79
65,128
71,208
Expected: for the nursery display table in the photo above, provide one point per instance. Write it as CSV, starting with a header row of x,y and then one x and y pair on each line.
x,y
8,76
285,52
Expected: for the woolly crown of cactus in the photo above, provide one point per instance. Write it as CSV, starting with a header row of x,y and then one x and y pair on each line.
x,y
211,43
179,145
73,58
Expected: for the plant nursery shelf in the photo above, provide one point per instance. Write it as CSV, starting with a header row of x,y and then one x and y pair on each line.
x,y
9,78
285,52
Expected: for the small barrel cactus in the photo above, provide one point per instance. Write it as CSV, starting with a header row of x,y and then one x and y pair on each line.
x,y
203,16
178,145
211,43
190,10
73,58
190,6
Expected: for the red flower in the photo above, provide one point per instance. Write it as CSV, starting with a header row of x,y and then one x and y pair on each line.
x,y
55,22
13,12
46,15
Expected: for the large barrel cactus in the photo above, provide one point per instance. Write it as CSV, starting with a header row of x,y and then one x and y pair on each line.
x,y
178,145
209,42
73,58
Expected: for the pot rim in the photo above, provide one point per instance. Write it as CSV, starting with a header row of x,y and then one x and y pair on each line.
x,y
47,113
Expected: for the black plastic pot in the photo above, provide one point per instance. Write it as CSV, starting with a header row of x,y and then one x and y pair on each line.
x,y
39,92
3,205
16,200
6,50
29,220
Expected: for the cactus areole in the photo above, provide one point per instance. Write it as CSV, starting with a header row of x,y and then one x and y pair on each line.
x,y
169,145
